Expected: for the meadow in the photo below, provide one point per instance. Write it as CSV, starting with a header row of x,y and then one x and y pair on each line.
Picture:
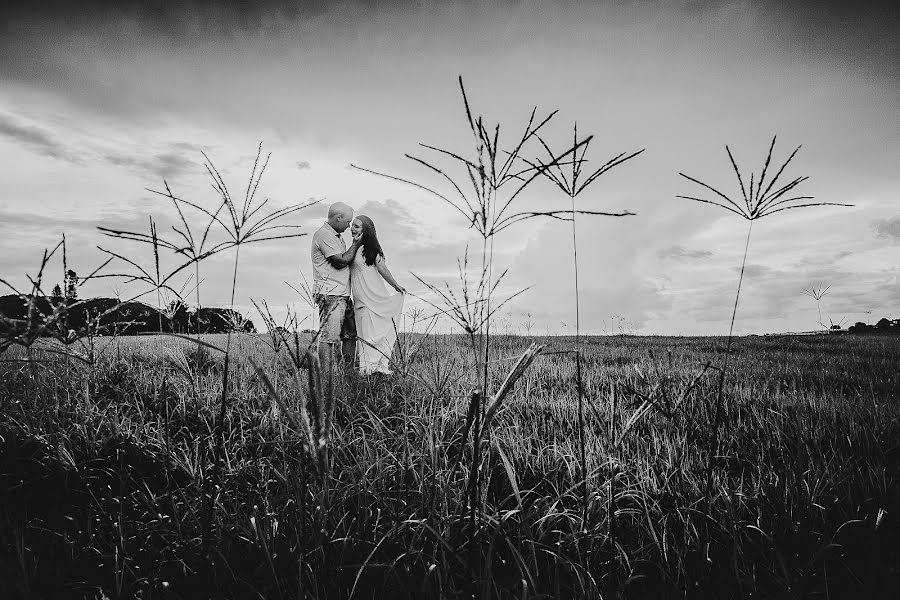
x,y
108,487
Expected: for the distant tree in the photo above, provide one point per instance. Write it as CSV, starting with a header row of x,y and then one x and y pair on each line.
x,y
528,323
56,292
883,326
71,285
179,316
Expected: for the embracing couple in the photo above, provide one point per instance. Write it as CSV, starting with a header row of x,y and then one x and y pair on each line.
x,y
349,289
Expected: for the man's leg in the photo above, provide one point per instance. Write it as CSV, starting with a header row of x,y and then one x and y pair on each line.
x,y
348,338
348,350
326,350
331,315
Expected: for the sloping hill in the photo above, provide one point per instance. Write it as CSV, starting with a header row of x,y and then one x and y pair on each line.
x,y
109,316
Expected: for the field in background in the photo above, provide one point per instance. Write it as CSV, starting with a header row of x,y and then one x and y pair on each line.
x,y
103,471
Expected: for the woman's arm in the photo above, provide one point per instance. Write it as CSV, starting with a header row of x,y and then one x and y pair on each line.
x,y
385,273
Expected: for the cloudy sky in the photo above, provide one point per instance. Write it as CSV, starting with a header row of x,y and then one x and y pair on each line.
x,y
102,100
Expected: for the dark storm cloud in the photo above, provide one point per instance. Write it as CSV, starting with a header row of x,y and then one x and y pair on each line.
x,y
856,31
843,19
83,50
174,19
30,31
37,140
861,36
247,14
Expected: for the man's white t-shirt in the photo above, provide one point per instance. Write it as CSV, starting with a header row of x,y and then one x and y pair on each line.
x,y
327,280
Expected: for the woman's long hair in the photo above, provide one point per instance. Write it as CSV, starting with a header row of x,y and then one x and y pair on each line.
x,y
371,249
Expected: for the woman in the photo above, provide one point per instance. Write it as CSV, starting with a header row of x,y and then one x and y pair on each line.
x,y
375,308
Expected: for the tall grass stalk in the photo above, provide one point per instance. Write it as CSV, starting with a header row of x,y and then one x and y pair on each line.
x,y
566,176
757,202
817,292
495,181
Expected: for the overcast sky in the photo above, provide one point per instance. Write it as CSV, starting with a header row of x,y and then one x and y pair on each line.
x,y
101,101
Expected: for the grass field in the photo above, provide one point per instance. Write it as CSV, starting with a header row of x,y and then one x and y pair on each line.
x,y
105,474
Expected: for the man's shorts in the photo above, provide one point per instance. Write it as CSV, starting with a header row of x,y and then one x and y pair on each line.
x,y
336,318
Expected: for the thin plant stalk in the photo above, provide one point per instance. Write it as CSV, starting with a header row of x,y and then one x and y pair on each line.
x,y
223,405
582,453
756,202
571,186
491,169
817,293
611,496
722,374
578,381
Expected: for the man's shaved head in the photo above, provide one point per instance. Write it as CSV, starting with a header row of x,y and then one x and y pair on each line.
x,y
339,216
337,209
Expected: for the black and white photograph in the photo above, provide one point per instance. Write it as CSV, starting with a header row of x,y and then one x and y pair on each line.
x,y
450,299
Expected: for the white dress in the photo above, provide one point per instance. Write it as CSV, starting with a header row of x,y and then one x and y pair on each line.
x,y
376,310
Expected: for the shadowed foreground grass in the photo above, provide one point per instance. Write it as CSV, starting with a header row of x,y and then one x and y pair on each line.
x,y
103,476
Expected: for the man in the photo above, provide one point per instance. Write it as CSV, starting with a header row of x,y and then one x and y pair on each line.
x,y
331,290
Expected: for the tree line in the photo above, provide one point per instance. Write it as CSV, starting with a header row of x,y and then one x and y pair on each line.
x,y
110,316
884,325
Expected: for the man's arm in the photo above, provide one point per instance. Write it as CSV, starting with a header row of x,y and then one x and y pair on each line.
x,y
339,261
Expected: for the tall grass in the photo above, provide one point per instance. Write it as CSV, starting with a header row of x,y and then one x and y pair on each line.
x,y
801,505
242,224
763,200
